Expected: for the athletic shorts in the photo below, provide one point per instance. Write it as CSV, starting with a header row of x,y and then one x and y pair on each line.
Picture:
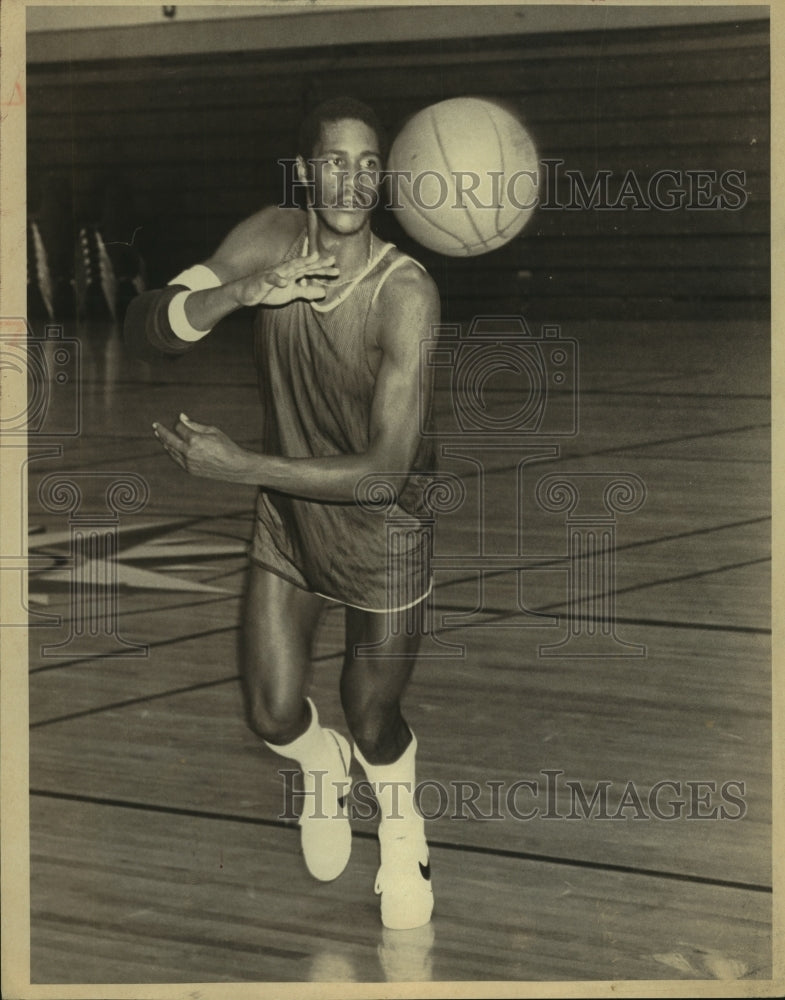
x,y
377,562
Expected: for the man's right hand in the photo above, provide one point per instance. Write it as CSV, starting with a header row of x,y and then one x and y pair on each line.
x,y
294,279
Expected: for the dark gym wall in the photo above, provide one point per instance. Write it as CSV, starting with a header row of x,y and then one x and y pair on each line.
x,y
189,144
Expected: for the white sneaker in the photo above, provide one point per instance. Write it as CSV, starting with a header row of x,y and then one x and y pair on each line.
x,y
404,876
325,833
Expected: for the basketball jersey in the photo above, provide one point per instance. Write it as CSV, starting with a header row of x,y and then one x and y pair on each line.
x,y
317,380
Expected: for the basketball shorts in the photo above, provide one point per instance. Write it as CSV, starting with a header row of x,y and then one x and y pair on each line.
x,y
377,562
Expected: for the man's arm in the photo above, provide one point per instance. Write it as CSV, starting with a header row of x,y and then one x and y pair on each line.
x,y
244,271
409,305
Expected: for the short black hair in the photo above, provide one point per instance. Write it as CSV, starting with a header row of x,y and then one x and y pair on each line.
x,y
334,110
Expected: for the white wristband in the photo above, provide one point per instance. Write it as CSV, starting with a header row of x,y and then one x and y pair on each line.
x,y
179,322
196,278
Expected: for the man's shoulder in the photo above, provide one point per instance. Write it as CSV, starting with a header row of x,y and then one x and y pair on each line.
x,y
277,228
407,306
407,280
259,241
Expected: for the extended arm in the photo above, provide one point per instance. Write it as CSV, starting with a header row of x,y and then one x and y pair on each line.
x,y
410,307
244,271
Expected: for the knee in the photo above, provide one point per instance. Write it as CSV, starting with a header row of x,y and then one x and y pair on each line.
x,y
277,718
373,723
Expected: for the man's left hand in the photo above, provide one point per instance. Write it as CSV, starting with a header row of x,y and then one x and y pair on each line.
x,y
203,450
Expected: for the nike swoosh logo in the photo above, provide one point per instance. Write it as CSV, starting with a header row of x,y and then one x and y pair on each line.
x,y
425,870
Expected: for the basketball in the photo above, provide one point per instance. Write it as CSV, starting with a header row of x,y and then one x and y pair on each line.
x,y
463,176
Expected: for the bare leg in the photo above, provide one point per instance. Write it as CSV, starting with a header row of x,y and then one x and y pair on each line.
x,y
371,689
279,625
385,747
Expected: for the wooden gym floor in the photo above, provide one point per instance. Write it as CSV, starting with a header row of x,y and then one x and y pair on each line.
x,y
158,854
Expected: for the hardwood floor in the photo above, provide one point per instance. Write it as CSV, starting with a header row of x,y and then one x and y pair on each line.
x,y
158,852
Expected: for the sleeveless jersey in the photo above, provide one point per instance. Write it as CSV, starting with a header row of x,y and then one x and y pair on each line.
x,y
316,381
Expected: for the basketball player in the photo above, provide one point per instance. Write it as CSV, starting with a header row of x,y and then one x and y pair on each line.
x,y
338,329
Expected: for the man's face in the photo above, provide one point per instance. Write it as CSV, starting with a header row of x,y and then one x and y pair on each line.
x,y
345,168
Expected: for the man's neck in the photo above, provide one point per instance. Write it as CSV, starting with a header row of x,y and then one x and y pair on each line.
x,y
352,251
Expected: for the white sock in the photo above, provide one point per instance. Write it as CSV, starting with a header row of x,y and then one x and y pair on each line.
x,y
311,748
394,785
325,832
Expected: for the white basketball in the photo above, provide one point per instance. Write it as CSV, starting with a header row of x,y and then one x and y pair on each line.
x,y
463,176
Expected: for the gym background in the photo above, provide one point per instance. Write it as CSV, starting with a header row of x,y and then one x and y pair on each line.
x,y
158,129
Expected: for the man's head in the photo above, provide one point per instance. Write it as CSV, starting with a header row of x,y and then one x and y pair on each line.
x,y
333,110
342,144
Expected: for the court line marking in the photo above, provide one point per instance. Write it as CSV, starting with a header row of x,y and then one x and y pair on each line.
x,y
655,376
550,562
499,613
491,390
141,699
133,385
621,391
493,615
248,513
725,397
439,844
700,626
223,534
225,574
557,561
660,583
649,622
704,459
471,473
643,445
749,629
172,640
216,682
577,456
42,917
147,610
148,521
